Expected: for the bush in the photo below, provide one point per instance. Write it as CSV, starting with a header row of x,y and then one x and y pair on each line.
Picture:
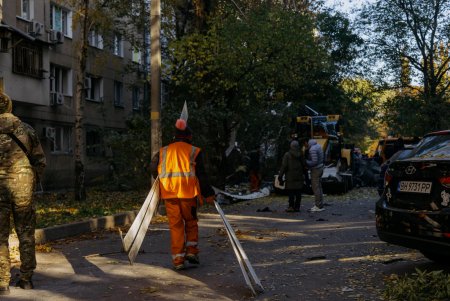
x,y
420,286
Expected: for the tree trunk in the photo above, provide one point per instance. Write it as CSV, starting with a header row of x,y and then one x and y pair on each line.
x,y
155,88
80,189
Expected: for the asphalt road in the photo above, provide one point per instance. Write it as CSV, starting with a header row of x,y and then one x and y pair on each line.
x,y
330,255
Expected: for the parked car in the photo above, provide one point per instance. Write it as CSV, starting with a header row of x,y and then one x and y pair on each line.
x,y
414,209
397,156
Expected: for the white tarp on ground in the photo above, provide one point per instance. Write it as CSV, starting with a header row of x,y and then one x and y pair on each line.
x,y
254,195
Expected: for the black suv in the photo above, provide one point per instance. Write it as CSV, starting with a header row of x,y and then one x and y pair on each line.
x,y
414,209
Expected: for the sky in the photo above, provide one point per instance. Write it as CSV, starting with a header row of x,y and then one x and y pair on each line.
x,y
346,6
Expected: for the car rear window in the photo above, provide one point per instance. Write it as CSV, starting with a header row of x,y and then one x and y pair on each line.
x,y
436,147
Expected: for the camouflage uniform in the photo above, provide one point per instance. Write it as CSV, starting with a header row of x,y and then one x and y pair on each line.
x,y
17,179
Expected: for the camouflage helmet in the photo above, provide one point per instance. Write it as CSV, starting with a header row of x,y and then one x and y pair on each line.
x,y
5,103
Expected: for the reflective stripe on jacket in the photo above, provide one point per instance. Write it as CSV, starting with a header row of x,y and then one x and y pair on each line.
x,y
176,170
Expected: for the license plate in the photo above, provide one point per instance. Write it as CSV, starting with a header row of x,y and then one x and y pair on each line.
x,y
414,186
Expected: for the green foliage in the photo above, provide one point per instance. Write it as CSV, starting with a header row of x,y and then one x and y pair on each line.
x,y
404,116
419,286
360,112
130,161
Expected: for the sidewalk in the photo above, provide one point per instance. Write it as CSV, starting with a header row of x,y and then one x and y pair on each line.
x,y
96,269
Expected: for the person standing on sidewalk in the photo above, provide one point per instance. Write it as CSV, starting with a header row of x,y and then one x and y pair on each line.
x,y
314,161
292,170
21,165
255,170
183,183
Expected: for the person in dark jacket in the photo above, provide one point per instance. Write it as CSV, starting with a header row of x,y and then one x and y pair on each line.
x,y
292,172
22,163
183,183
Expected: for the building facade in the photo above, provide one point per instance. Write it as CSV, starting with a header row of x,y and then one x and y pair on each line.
x,y
38,64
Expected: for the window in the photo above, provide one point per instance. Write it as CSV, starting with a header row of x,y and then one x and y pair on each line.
x,y
136,93
137,56
61,19
93,88
95,39
94,143
60,80
118,94
27,9
4,44
118,45
62,140
27,59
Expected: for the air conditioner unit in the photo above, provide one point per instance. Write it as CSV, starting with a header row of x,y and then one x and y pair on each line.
x,y
60,37
50,132
56,98
36,28
87,83
53,98
56,36
59,98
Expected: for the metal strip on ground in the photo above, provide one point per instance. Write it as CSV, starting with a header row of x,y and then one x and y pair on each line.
x,y
243,260
135,235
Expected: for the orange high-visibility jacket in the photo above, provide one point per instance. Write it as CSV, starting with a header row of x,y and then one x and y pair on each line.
x,y
176,170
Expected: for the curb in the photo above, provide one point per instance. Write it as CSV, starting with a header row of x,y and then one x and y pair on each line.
x,y
102,223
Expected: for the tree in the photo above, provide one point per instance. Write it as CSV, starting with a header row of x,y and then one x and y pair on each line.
x,y
101,16
83,18
412,33
360,113
244,71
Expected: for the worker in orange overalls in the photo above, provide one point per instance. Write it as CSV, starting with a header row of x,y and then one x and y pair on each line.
x,y
183,185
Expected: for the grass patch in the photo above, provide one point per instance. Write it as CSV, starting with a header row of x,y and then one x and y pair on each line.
x,y
61,208
419,286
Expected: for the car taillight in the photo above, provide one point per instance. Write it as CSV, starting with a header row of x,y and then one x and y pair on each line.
x,y
445,181
387,177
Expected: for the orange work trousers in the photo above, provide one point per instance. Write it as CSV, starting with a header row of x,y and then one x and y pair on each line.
x,y
255,181
183,223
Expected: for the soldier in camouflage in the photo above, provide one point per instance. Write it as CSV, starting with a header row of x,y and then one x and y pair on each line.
x,y
22,162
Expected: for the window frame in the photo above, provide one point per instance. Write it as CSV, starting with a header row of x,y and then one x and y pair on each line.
x,y
118,94
135,96
24,14
65,19
61,79
95,39
94,143
26,53
95,92
118,45
136,56
62,143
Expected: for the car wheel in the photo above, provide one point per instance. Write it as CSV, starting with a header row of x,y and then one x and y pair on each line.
x,y
436,257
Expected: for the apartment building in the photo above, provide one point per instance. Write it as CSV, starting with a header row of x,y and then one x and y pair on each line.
x,y
38,66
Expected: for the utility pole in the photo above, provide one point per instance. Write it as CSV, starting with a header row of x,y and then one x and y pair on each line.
x,y
155,73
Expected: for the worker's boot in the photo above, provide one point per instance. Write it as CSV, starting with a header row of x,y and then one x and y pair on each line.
x,y
192,258
178,263
25,284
